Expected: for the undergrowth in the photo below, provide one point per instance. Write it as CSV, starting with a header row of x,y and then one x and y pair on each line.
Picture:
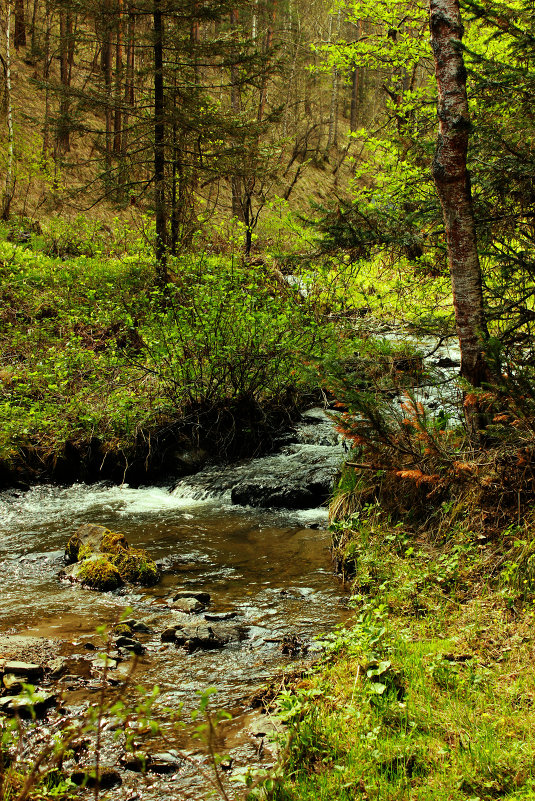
x,y
429,693
95,357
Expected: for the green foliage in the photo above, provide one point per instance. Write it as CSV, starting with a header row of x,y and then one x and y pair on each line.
x,y
92,349
226,331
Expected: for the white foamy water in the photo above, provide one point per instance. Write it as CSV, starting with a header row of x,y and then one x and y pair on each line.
x,y
51,504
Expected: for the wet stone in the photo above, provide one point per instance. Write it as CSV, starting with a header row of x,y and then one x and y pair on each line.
x,y
104,662
162,763
27,669
108,777
56,667
168,635
17,705
218,617
201,637
203,597
130,644
137,625
188,605
133,762
12,683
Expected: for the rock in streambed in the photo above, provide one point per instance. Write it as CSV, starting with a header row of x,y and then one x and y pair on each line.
x,y
103,560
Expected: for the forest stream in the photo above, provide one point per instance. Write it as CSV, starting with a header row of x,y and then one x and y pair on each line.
x,y
268,569
229,531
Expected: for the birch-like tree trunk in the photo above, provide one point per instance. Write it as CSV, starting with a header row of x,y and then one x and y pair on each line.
x,y
453,186
9,189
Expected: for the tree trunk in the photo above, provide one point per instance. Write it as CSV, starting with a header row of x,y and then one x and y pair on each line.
x,y
354,113
128,91
106,64
355,89
333,115
9,189
19,37
268,50
46,77
117,120
453,187
63,137
235,105
33,45
159,147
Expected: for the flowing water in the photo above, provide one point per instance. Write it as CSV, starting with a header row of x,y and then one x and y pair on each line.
x,y
269,566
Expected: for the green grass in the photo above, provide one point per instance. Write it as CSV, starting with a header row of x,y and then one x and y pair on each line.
x,y
429,694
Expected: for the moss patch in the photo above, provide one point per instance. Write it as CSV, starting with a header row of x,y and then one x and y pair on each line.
x,y
136,566
122,629
113,542
99,573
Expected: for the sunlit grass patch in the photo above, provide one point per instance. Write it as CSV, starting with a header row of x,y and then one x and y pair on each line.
x,y
428,702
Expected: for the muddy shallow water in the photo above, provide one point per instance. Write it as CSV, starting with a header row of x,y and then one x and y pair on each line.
x,y
271,567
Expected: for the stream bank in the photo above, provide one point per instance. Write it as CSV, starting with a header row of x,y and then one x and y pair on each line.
x,y
168,446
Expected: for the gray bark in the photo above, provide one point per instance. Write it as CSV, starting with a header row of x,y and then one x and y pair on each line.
x,y
453,187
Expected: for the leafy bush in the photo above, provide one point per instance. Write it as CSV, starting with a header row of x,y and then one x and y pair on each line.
x,y
225,330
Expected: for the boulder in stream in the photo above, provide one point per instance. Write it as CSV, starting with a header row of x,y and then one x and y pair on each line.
x,y
188,605
103,560
279,496
201,637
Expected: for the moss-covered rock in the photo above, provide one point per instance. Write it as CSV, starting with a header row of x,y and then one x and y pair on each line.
x,y
122,629
136,566
112,542
91,539
106,561
99,573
